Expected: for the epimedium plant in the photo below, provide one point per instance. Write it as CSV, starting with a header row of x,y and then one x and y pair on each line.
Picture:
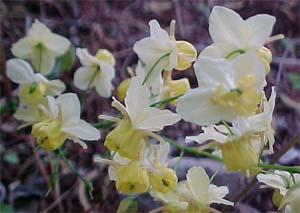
x,y
229,103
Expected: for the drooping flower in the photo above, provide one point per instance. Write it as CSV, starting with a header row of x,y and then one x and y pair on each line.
x,y
195,194
41,47
287,188
96,71
161,52
139,120
33,88
227,89
61,121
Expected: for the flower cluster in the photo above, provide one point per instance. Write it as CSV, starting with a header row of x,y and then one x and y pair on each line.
x,y
229,103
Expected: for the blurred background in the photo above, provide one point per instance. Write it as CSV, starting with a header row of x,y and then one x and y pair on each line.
x,y
116,25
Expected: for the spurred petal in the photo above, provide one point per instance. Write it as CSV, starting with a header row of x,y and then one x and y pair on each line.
x,y
157,32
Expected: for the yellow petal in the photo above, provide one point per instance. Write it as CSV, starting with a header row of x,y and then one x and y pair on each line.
x,y
187,54
177,87
122,89
105,55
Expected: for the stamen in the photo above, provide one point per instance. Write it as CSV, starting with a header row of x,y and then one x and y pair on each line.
x,y
116,104
109,118
274,38
172,29
102,160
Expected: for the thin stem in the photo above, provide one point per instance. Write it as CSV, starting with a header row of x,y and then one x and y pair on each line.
x,y
180,157
154,65
238,51
168,100
227,127
278,167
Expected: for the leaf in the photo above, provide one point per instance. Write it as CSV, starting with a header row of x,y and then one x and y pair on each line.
x,y
127,205
6,208
295,80
11,158
66,61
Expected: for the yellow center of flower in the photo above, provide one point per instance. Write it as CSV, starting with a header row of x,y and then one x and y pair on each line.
x,y
48,134
132,178
32,93
125,139
243,100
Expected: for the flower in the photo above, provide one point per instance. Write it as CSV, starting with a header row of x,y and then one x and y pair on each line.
x,y
62,121
286,185
41,47
194,194
233,36
33,88
227,89
97,71
139,120
161,51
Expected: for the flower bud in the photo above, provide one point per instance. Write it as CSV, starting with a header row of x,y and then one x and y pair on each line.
x,y
122,89
277,197
105,55
187,53
132,178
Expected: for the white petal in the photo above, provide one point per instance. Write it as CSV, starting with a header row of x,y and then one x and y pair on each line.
x,y
82,130
29,114
19,71
55,87
157,32
86,59
196,106
39,31
43,60
112,173
209,133
260,29
102,82
226,26
70,108
217,50
52,106
59,45
83,76
22,48
273,180
157,119
217,194
198,183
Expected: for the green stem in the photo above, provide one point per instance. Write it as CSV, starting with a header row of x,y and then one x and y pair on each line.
x,y
168,100
278,167
154,65
238,51
90,83
40,56
103,124
227,127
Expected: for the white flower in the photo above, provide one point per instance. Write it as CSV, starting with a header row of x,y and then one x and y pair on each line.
x,y
232,35
196,190
226,89
141,115
281,180
158,52
34,87
62,121
291,200
41,47
95,72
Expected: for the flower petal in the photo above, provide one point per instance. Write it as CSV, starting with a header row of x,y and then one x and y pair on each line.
x,y
198,183
83,76
59,45
82,130
70,108
42,59
86,59
22,48
55,87
19,71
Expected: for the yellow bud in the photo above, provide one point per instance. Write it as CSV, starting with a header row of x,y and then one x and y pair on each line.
x,y
163,180
122,89
132,178
266,56
125,139
240,155
105,55
48,134
277,197
187,53
32,93
177,87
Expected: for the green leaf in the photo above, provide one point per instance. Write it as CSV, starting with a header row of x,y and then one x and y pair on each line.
x,y
11,158
295,80
6,208
66,61
127,205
